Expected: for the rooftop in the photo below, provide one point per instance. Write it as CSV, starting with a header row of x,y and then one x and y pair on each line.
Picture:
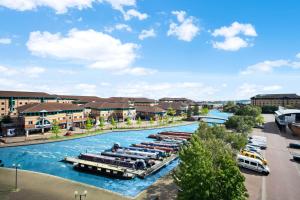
x,y
107,105
276,96
48,107
24,94
149,109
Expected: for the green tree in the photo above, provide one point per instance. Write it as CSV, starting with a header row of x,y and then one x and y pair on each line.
x,y
151,120
113,123
204,111
196,110
189,112
249,110
55,128
139,121
241,124
269,109
166,119
89,124
208,171
259,120
128,121
230,107
171,112
101,123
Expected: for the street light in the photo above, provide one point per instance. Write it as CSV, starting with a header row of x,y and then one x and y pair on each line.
x,y
16,166
84,194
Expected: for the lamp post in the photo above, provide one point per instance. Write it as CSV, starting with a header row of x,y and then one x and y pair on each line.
x,y
84,194
16,166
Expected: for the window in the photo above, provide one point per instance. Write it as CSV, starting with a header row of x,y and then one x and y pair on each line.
x,y
241,160
21,103
253,163
259,165
2,103
30,122
246,161
2,108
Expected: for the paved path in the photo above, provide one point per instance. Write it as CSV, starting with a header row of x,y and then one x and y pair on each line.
x,y
283,183
35,186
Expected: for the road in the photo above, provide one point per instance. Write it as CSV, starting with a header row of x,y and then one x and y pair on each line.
x,y
283,183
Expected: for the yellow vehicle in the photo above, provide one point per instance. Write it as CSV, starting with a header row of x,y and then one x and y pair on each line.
x,y
254,155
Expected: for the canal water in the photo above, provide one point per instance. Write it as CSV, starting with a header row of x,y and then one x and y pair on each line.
x,y
45,158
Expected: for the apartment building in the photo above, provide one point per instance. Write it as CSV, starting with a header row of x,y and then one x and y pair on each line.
x,y
11,100
276,100
134,101
148,112
39,117
108,110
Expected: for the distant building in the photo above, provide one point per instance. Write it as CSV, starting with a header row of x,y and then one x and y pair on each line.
x,y
148,112
134,101
276,100
39,117
179,107
11,100
108,110
80,100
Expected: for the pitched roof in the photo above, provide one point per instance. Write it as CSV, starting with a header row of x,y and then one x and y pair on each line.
x,y
131,99
49,107
174,105
25,94
83,99
107,105
276,96
174,99
149,109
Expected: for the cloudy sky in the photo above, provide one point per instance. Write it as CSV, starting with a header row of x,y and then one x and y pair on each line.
x,y
204,50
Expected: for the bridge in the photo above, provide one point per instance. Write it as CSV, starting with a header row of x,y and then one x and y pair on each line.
x,y
199,117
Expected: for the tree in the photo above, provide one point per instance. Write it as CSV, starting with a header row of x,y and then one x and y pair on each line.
x,y
196,110
128,121
55,128
269,109
241,124
101,123
139,121
204,111
166,119
249,110
6,119
259,120
230,107
208,171
171,112
113,122
89,124
189,112
151,120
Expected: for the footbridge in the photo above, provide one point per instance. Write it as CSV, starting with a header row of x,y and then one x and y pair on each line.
x,y
200,117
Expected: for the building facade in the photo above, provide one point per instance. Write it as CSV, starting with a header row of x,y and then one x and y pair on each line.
x,y
107,110
11,100
148,112
276,100
39,117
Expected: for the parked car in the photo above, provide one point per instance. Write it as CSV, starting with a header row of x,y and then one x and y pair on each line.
x,y
254,155
252,164
257,144
254,150
294,145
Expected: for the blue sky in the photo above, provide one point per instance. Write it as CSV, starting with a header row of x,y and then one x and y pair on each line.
x,y
204,50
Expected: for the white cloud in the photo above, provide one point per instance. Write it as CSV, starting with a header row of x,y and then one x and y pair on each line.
x,y
5,40
137,71
157,90
7,71
33,72
134,13
186,29
269,65
248,90
298,55
98,50
146,34
87,89
124,27
66,72
62,6
235,36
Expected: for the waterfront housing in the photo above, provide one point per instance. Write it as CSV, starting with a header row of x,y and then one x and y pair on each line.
x,y
148,112
276,100
108,110
179,107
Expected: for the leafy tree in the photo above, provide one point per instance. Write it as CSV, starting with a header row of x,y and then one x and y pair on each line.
x,y
204,111
196,110
151,120
208,171
89,124
242,124
230,107
101,123
55,128
139,121
166,119
171,112
160,120
189,112
269,109
113,122
128,121
259,120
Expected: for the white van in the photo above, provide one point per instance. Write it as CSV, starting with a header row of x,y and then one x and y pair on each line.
x,y
252,164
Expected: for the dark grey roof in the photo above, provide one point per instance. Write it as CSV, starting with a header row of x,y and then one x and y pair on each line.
x,y
24,94
276,96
